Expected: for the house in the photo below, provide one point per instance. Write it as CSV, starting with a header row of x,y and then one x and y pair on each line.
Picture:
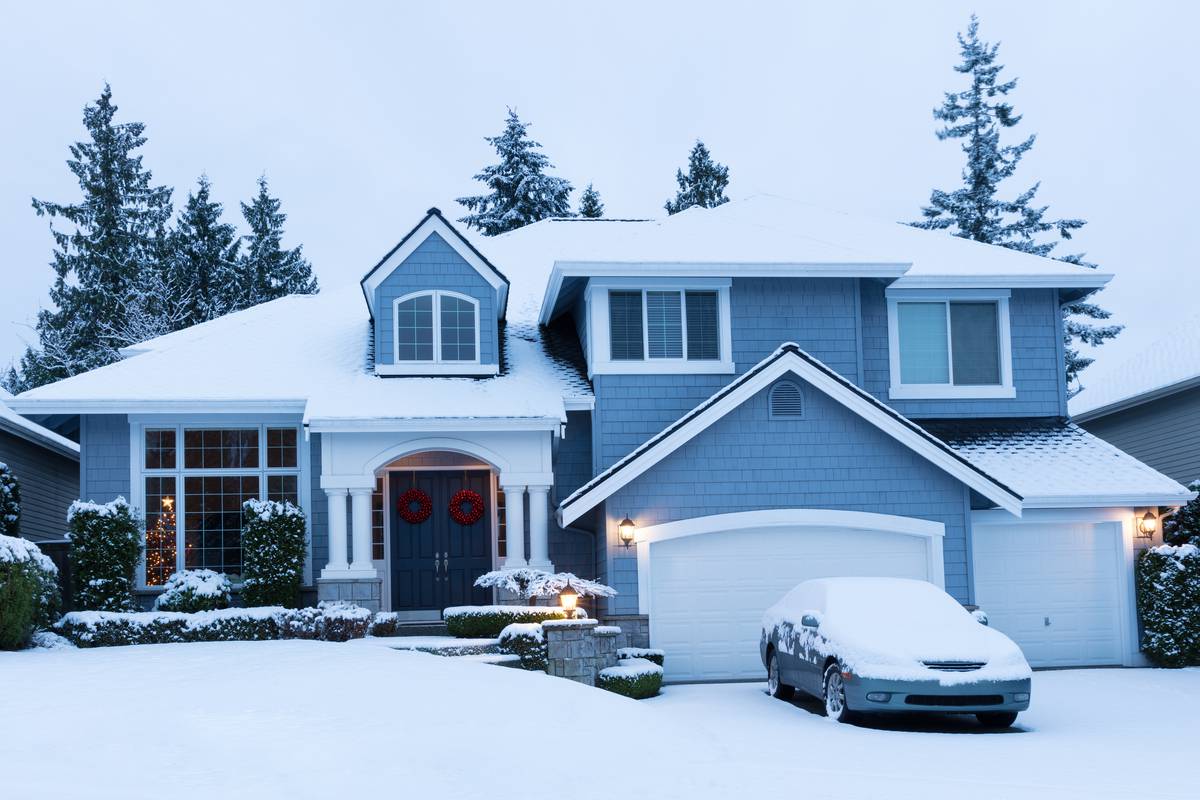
x,y
763,392
1149,404
46,465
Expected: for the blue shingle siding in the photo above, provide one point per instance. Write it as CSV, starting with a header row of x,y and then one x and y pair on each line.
x,y
104,461
1036,357
319,512
831,459
573,550
435,265
49,482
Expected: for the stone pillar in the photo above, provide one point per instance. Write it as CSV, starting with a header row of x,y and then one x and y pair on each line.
x,y
360,503
337,534
514,510
571,649
539,529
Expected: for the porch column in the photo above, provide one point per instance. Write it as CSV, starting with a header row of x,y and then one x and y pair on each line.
x,y
539,531
360,503
337,533
514,523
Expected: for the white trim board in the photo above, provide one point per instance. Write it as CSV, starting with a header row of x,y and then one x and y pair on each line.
x,y
787,359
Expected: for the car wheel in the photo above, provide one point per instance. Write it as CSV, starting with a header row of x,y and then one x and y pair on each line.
x,y
996,719
835,695
780,691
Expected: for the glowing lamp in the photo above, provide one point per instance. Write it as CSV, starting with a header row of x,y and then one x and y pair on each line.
x,y
569,599
1147,525
626,531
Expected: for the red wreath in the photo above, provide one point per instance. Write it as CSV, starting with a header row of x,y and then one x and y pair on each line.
x,y
466,517
414,506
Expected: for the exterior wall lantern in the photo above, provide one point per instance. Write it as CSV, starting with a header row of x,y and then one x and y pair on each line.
x,y
569,599
1147,525
626,531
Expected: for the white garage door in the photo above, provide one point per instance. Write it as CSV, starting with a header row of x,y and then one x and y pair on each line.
x,y
708,592
1054,588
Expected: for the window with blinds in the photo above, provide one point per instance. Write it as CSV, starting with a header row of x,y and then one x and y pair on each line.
x,y
625,326
663,324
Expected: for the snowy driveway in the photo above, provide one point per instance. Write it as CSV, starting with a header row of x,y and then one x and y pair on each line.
x,y
311,719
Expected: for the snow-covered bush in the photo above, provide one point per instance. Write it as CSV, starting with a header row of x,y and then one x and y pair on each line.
x,y
486,622
28,591
526,640
657,656
274,540
195,590
385,623
533,583
335,623
1183,527
105,548
10,502
633,677
1168,597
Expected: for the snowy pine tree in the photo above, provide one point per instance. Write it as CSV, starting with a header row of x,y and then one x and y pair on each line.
x,y
590,205
267,270
113,237
204,258
974,210
520,191
703,185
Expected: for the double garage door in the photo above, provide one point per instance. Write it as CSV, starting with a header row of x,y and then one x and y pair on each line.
x,y
1054,588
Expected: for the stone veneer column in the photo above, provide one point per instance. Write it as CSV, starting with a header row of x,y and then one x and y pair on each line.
x,y
514,523
337,533
360,501
539,530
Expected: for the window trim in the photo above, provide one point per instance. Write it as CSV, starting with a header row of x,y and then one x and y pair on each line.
x,y
948,391
436,366
599,341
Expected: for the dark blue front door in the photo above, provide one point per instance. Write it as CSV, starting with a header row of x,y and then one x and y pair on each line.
x,y
435,563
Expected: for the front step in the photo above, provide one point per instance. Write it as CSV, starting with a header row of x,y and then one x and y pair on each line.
x,y
426,628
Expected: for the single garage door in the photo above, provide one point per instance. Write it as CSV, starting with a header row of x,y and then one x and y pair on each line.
x,y
1054,588
708,591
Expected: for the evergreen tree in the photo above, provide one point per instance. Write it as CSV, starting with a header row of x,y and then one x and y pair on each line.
x,y
112,238
590,205
268,271
205,258
703,185
974,210
520,191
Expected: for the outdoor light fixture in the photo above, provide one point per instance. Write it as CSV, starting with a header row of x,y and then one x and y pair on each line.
x,y
1147,525
626,530
569,599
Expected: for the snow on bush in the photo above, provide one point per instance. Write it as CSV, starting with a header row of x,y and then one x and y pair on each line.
x,y
10,502
105,548
657,656
638,678
526,640
486,622
28,591
274,541
1183,527
385,623
1168,599
195,590
531,583
337,622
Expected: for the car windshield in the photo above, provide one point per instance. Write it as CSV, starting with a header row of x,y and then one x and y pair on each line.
x,y
882,601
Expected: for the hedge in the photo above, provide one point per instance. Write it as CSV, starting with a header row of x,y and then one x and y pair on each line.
x,y
105,547
656,656
1168,599
632,677
486,622
28,591
274,540
195,590
527,641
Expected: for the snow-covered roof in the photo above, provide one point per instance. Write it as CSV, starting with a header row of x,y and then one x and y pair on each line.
x,y
1057,464
17,425
1168,365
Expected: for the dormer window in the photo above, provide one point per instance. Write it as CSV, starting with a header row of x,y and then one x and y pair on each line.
x,y
436,333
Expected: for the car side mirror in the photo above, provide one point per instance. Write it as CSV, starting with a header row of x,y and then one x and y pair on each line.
x,y
810,621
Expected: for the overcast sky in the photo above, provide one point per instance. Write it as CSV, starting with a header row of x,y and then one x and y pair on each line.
x,y
363,115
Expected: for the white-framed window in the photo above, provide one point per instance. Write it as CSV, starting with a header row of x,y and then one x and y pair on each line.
x,y
950,344
435,332
193,480
672,326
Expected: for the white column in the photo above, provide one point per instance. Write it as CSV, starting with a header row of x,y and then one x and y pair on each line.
x,y
360,505
337,533
539,531
514,524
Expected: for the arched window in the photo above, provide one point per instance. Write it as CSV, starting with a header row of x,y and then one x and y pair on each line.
x,y
786,400
436,327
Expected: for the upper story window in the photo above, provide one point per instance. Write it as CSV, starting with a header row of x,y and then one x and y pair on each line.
x,y
952,345
665,329
436,327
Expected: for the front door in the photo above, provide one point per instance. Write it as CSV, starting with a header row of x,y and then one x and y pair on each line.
x,y
435,563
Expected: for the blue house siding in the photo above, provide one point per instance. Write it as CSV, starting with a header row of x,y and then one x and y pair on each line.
x,y
318,513
831,459
435,265
1038,375
572,549
104,457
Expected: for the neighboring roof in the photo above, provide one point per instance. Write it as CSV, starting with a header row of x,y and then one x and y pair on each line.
x,y
1169,365
14,423
788,358
1056,464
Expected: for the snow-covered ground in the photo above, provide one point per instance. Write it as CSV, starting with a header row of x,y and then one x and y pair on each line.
x,y
301,719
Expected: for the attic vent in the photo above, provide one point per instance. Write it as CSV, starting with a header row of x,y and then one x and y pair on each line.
x,y
786,400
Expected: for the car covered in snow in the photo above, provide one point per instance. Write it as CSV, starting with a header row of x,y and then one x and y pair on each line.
x,y
879,645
